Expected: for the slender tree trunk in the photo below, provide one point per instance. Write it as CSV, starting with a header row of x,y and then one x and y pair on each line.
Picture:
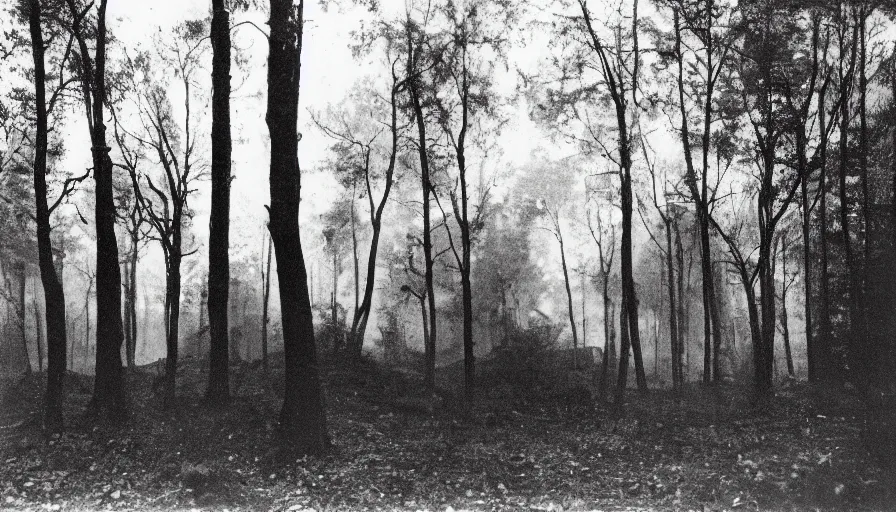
x,y
172,293
132,300
624,354
764,372
430,349
334,316
785,328
682,309
584,340
302,418
820,357
360,321
87,326
20,313
264,308
219,218
355,257
866,348
892,354
71,347
422,299
609,341
39,334
572,320
467,300
203,319
362,314
811,351
755,327
126,318
847,239
673,311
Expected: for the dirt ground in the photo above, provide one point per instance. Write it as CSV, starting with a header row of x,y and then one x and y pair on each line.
x,y
807,449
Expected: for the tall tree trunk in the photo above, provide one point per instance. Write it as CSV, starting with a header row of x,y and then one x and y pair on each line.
x,y
132,300
20,313
264,308
682,310
337,333
805,172
87,325
572,320
302,418
359,323
467,301
126,319
430,348
359,326
39,334
355,259
629,297
624,354
609,341
700,197
853,348
870,369
172,299
766,221
819,354
203,319
673,311
754,321
892,354
108,392
584,326
785,328
219,218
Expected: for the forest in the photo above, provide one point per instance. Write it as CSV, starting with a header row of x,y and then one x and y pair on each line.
x,y
448,255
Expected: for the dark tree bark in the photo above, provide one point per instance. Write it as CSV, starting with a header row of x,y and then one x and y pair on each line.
x,y
667,216
172,303
819,355
132,299
682,309
712,338
266,278
624,355
422,150
631,338
605,259
674,342
414,88
39,334
785,327
355,259
219,218
302,418
166,207
572,319
805,171
861,287
21,310
609,347
108,393
854,295
126,319
362,314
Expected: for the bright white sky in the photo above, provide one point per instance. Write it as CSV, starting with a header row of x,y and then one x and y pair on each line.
x,y
328,72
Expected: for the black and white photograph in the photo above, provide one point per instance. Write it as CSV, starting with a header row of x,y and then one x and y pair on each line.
x,y
448,255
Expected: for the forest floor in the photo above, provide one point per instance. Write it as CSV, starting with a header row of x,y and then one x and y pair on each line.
x,y
393,450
